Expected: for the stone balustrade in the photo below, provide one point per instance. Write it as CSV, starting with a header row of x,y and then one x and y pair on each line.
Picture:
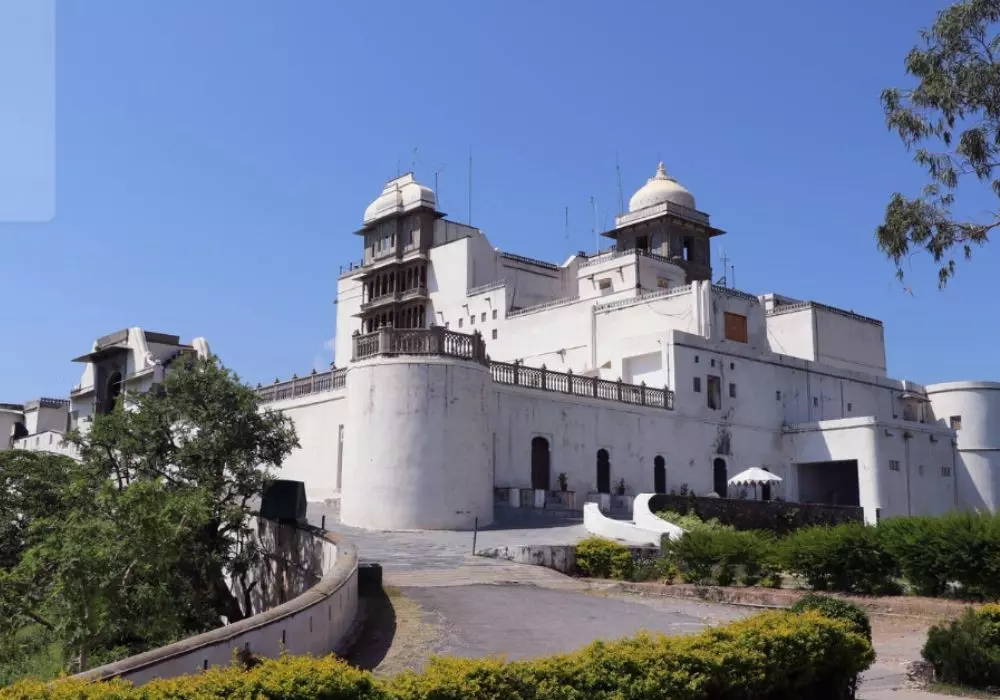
x,y
420,341
438,341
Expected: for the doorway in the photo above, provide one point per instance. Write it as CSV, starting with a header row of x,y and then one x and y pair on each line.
x,y
720,477
603,471
659,474
540,465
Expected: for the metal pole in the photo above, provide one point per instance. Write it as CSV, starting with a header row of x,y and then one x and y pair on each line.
x,y
322,523
475,532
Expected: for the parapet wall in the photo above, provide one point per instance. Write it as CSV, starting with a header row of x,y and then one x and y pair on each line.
x,y
316,572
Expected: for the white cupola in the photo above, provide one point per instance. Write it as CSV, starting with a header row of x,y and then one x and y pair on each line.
x,y
659,189
400,195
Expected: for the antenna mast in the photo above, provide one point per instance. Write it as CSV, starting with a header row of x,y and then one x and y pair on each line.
x,y
621,197
470,184
567,222
597,239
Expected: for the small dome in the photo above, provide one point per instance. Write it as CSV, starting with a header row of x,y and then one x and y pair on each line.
x,y
659,189
401,194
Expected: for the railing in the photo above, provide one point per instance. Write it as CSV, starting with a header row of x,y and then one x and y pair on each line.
x,y
314,383
488,287
659,209
729,291
529,261
517,374
541,307
422,341
644,297
614,254
789,308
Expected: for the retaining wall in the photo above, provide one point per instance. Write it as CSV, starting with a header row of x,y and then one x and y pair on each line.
x,y
599,524
316,571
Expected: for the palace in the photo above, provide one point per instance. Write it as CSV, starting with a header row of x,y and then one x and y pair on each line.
x,y
469,375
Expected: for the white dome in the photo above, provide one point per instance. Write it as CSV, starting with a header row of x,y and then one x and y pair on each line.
x,y
659,189
402,194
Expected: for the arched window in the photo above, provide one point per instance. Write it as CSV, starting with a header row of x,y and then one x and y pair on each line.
x,y
540,464
720,477
659,474
603,471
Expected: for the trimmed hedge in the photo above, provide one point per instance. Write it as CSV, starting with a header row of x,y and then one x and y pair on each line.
x,y
836,609
967,650
722,557
849,558
775,655
602,558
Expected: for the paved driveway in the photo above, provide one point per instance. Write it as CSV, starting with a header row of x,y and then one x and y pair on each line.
x,y
443,601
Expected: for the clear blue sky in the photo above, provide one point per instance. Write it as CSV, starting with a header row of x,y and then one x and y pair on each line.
x,y
213,159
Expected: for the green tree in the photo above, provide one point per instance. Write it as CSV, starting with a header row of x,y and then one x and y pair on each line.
x,y
951,120
132,546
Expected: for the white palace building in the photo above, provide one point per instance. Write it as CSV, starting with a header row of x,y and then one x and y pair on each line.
x,y
468,375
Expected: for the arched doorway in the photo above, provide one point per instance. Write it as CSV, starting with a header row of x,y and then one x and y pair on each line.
x,y
603,471
765,489
659,474
720,477
113,391
539,463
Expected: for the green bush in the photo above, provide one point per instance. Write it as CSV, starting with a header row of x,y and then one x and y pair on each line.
x,y
691,522
838,610
848,558
967,650
718,556
774,655
601,558
957,552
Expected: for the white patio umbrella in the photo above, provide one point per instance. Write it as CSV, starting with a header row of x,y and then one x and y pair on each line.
x,y
755,476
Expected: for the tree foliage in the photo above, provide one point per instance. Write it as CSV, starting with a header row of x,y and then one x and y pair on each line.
x,y
134,544
951,121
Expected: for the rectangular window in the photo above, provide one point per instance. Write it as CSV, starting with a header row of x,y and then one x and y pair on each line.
x,y
447,324
494,314
777,395
955,422
472,320
945,471
604,286
494,334
482,317
642,243
736,327
732,390
815,402
697,385
894,465
849,406
459,323
714,393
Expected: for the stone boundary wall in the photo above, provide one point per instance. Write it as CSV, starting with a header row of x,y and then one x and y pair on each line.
x,y
318,570
780,517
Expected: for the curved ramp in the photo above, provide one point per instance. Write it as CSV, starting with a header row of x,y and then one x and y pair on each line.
x,y
648,520
598,524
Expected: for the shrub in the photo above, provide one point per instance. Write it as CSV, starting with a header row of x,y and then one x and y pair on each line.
x,y
967,650
838,610
773,655
848,557
691,522
705,556
935,553
602,558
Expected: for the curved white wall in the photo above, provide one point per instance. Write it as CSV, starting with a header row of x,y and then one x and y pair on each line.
x,y
978,404
598,524
418,449
643,517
